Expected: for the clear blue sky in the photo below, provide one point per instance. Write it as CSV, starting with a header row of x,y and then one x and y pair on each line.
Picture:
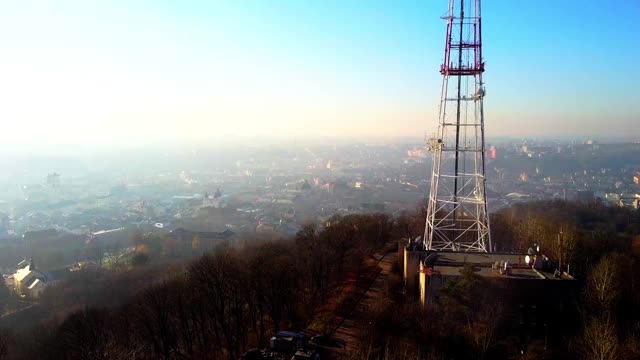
x,y
93,71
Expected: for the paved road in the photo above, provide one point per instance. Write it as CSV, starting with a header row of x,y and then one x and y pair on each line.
x,y
348,332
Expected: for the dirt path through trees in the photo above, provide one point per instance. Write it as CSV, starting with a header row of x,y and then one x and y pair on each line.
x,y
349,330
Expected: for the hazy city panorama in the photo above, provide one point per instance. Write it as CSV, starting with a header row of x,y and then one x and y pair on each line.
x,y
442,179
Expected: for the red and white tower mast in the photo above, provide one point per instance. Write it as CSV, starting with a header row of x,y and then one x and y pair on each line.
x,y
457,216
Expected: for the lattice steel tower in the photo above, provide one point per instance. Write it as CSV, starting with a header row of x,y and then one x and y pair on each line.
x,y
457,216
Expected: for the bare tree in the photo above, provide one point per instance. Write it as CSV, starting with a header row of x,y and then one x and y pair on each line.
x,y
154,315
83,335
569,243
599,340
273,280
482,331
221,280
314,261
602,289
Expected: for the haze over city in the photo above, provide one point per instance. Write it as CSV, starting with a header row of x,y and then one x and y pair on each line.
x,y
139,72
319,180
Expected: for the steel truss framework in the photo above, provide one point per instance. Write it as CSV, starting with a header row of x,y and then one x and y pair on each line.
x,y
457,216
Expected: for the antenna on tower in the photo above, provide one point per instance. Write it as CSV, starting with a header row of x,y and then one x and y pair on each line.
x,y
457,215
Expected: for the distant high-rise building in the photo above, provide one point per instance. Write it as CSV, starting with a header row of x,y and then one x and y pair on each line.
x,y
53,180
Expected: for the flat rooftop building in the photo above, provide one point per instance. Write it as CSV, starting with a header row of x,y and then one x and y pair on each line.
x,y
535,298
518,275
426,271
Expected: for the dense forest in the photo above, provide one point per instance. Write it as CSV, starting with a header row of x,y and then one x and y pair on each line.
x,y
234,298
216,306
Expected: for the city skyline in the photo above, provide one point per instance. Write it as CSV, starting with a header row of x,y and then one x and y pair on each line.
x,y
119,73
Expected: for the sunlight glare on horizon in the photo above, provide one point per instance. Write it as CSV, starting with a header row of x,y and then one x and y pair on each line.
x,y
124,71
